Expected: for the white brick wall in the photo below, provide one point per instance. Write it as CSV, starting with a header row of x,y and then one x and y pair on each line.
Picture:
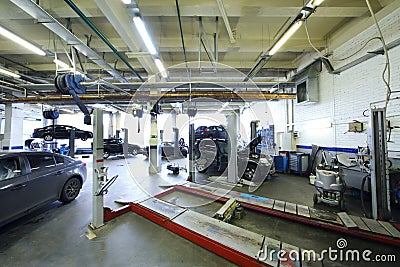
x,y
344,97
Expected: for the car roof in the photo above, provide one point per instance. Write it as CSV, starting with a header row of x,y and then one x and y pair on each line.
x,y
24,152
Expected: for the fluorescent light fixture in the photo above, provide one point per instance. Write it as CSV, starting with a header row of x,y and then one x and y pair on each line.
x,y
61,64
9,73
285,37
144,34
161,68
317,2
126,2
22,42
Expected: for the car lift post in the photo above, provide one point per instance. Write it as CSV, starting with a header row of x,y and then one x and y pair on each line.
x,y
125,144
379,171
232,119
192,173
98,160
154,147
253,131
72,143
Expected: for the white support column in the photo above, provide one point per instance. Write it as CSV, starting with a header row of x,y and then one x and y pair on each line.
x,y
154,147
232,129
13,128
118,122
175,134
126,142
111,125
98,160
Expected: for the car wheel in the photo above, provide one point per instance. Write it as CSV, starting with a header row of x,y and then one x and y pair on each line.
x,y
249,172
70,190
48,137
201,170
134,152
106,155
84,138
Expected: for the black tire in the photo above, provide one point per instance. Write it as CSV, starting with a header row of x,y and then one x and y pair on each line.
x,y
48,137
70,190
315,198
84,137
184,153
106,155
341,204
134,152
249,172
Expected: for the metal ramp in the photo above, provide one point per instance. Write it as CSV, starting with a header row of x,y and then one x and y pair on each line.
x,y
375,230
236,244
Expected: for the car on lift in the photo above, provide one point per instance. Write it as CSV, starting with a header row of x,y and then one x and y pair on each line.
x,y
115,146
31,179
212,154
215,131
51,132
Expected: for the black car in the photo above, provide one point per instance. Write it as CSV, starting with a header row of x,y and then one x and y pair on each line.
x,y
217,131
167,149
51,132
29,180
115,146
213,154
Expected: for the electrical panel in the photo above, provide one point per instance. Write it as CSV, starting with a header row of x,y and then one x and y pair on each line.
x,y
356,127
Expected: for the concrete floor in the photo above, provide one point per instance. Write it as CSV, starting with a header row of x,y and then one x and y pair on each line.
x,y
56,234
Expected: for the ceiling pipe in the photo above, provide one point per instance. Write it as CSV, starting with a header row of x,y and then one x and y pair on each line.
x,y
226,21
144,96
217,85
102,37
55,26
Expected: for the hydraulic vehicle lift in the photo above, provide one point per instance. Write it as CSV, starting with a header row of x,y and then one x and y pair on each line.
x,y
239,245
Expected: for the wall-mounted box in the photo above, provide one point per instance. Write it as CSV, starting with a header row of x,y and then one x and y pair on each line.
x,y
356,127
307,85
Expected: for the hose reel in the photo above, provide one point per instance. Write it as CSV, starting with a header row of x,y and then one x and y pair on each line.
x,y
51,114
138,112
70,84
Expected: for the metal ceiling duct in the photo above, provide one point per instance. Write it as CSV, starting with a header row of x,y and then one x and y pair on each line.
x,y
52,24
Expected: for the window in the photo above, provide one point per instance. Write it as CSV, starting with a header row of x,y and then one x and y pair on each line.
x,y
59,159
9,168
40,161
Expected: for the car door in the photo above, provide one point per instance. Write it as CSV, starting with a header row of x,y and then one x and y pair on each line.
x,y
45,178
14,194
59,131
115,146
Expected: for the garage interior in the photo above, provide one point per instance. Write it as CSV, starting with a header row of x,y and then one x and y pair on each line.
x,y
314,82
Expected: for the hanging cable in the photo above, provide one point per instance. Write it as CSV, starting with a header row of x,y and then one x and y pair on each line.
x,y
309,40
183,42
387,64
367,42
